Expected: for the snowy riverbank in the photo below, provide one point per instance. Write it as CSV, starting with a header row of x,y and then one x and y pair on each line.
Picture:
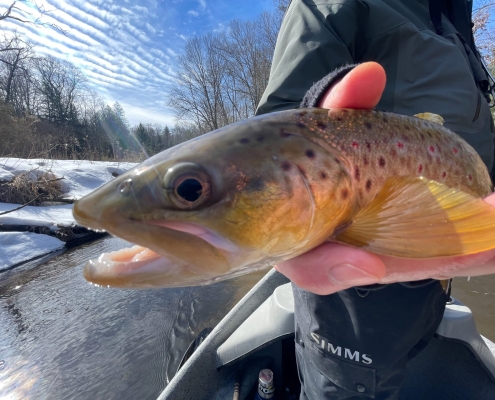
x,y
79,179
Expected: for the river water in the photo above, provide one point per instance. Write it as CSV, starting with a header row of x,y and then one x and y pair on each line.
x,y
62,338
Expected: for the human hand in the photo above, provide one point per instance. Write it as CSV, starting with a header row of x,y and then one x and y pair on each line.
x,y
332,267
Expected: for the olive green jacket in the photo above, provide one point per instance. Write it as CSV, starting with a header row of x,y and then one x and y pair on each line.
x,y
426,72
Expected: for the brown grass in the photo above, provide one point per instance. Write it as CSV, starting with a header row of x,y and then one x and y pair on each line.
x,y
23,189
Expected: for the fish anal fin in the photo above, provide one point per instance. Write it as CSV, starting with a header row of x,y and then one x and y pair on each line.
x,y
413,217
430,117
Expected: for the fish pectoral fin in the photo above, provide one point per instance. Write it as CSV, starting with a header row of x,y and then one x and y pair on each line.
x,y
430,117
414,217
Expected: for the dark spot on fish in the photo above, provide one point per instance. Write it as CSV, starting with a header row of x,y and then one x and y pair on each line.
x,y
357,173
432,149
244,141
420,168
455,150
321,125
400,145
381,162
368,146
336,160
260,138
339,119
255,184
470,177
429,157
301,125
303,113
368,185
344,193
385,120
284,133
422,136
365,160
310,153
444,174
323,175
407,127
429,134
344,111
286,165
368,125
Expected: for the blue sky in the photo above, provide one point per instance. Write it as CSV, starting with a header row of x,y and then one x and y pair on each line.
x,y
128,48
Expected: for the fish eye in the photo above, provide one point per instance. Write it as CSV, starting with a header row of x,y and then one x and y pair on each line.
x,y
187,185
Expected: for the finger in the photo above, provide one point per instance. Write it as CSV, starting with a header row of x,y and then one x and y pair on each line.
x,y
402,269
361,88
332,267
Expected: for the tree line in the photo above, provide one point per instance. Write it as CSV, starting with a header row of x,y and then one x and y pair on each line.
x,y
46,110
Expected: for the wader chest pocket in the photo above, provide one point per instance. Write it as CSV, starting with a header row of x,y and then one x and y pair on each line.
x,y
329,371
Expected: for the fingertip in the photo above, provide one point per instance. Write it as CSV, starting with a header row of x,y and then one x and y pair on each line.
x,y
361,88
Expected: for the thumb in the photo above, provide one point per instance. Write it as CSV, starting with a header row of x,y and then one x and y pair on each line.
x,y
361,88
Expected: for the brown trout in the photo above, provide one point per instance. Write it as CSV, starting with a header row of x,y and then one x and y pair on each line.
x,y
267,189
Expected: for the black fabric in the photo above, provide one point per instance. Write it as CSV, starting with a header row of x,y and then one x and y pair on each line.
x,y
355,346
315,93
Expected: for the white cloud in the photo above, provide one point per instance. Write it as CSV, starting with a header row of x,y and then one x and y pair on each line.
x,y
193,13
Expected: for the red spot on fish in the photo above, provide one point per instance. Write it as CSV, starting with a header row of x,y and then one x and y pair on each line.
x,y
355,144
344,194
420,168
455,150
432,149
357,173
400,145
286,166
470,177
444,174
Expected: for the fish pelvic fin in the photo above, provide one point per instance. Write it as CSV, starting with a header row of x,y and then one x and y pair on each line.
x,y
430,117
413,217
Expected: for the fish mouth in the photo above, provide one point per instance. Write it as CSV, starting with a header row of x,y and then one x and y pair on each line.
x,y
141,267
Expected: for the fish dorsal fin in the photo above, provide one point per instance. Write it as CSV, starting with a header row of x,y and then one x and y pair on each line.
x,y
430,117
414,217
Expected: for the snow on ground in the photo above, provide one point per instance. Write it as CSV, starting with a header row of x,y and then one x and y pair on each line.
x,y
16,247
80,178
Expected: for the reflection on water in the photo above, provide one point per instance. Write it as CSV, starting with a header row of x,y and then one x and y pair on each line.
x,y
62,338
478,293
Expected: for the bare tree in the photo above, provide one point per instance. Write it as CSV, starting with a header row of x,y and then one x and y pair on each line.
x,y
60,84
196,94
33,16
221,76
15,70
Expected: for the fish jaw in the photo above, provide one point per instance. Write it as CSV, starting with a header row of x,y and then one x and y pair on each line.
x,y
138,267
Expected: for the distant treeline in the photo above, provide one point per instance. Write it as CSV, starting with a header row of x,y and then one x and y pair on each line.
x,y
46,110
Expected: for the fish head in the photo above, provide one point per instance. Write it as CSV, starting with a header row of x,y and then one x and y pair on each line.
x,y
238,199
